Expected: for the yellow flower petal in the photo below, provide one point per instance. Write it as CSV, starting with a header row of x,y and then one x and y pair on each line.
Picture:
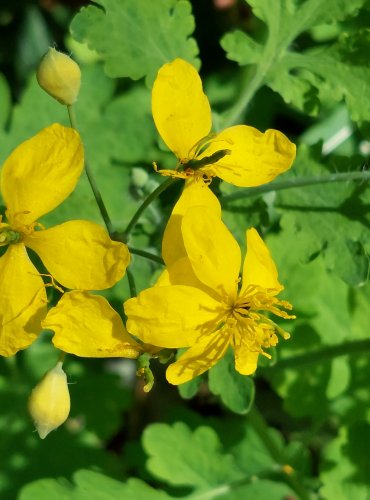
x,y
182,273
195,193
163,279
172,316
180,109
245,359
22,301
255,158
79,254
259,268
42,172
87,326
212,250
199,358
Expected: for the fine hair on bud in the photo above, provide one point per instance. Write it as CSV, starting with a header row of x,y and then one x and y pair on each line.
x,y
49,402
59,76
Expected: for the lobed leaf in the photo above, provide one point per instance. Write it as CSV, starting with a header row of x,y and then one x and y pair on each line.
x,y
306,78
136,38
236,391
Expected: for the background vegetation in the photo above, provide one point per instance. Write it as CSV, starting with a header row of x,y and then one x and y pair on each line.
x,y
301,66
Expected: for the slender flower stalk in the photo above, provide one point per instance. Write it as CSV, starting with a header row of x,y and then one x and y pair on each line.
x,y
148,200
91,179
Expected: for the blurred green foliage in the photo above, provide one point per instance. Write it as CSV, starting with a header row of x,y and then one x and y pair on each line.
x,y
302,67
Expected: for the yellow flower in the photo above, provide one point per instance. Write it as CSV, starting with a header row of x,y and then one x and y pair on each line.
x,y
195,193
87,326
200,302
36,178
241,155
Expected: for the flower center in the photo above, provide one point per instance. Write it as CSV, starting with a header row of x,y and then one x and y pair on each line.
x,y
249,322
7,235
14,229
192,165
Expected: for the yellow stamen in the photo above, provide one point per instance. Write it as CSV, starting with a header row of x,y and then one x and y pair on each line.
x,y
52,283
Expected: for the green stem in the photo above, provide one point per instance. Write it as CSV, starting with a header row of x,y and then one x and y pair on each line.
x,y
90,176
260,426
131,283
148,200
146,255
235,114
61,357
324,354
271,53
143,370
296,183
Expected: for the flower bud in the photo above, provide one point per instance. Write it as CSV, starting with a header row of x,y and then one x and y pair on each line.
x,y
59,76
49,403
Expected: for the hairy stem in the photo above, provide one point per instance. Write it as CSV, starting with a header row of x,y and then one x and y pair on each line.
x,y
295,183
235,114
324,354
148,200
131,283
146,255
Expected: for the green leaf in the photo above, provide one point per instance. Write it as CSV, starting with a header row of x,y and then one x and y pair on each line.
x,y
333,216
286,19
190,389
136,38
185,458
196,459
339,377
324,72
87,485
313,291
244,213
321,302
344,471
236,391
101,410
47,489
325,385
307,77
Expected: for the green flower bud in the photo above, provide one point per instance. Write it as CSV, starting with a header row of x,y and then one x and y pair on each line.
x,y
49,403
139,177
59,76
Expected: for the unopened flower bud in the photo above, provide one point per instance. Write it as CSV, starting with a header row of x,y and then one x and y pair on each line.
x,y
59,76
49,403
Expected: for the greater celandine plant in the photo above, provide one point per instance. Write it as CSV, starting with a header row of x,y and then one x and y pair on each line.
x,y
199,302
